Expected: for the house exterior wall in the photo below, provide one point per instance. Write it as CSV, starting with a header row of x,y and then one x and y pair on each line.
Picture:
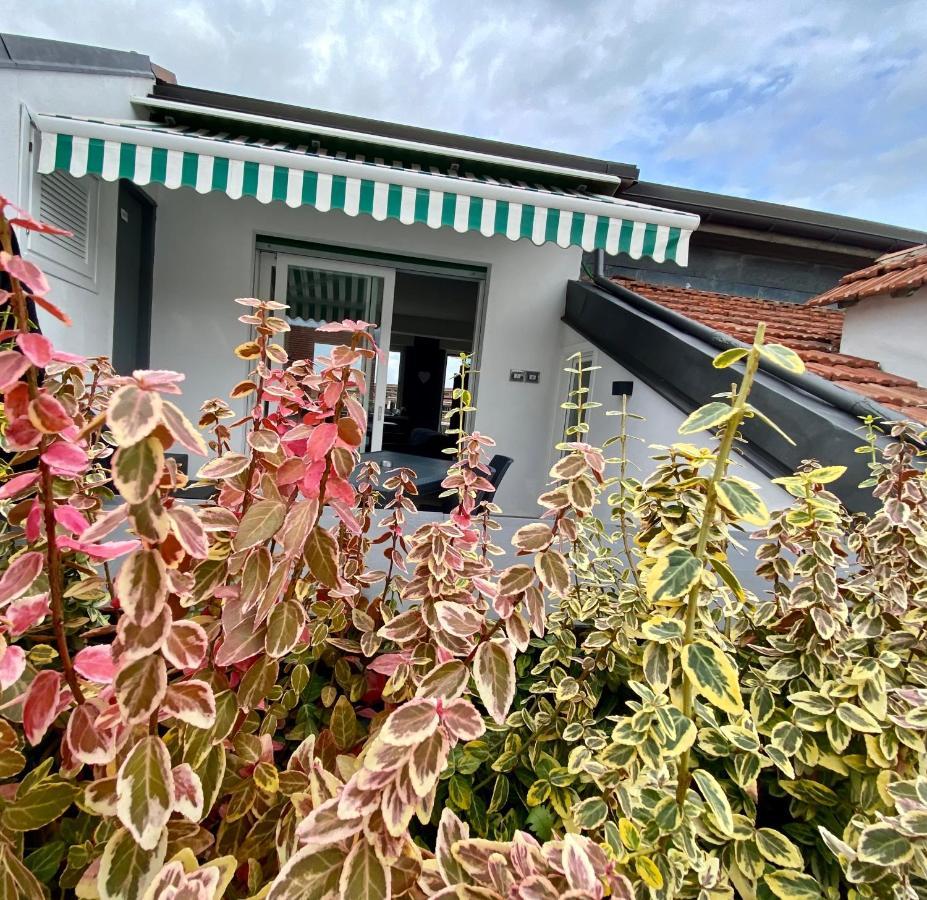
x,y
759,268
659,425
890,330
88,300
204,258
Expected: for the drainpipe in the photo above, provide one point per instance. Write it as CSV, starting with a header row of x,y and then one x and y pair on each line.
x,y
844,400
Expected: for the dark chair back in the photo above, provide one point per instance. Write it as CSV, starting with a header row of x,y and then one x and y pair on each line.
x,y
500,465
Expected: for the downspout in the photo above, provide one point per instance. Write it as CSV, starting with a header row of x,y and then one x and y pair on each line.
x,y
846,401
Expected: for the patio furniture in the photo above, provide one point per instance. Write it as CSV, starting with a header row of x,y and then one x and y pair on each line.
x,y
429,472
500,465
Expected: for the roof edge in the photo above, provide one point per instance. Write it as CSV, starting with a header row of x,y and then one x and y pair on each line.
x,y
233,104
763,215
23,52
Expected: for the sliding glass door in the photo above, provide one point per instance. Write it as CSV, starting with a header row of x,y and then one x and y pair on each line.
x,y
318,291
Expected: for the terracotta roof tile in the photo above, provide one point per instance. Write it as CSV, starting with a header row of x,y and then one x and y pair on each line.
x,y
894,274
813,333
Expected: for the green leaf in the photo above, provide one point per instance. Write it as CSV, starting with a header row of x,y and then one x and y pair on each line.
x,y
259,523
364,876
825,474
590,813
44,803
662,629
713,675
309,873
494,673
672,575
553,570
729,357
137,469
541,821
778,849
783,357
145,792
711,415
726,574
126,869
343,724
737,496
716,798
283,628
858,719
321,554
787,885
881,845
649,873
45,862
132,414
16,881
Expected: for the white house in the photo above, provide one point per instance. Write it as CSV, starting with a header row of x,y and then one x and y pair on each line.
x,y
182,199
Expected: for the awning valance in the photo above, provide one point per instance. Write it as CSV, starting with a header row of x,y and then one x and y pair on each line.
x,y
297,175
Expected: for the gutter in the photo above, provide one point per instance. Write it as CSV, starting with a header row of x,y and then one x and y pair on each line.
x,y
846,401
452,153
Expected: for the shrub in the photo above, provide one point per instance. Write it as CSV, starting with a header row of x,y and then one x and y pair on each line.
x,y
247,707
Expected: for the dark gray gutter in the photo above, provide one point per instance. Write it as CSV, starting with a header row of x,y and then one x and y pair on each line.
x,y
847,401
776,218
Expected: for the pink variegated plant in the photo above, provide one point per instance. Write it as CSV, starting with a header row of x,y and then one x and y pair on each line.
x,y
200,695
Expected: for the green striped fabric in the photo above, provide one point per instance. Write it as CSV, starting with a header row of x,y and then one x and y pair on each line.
x,y
151,154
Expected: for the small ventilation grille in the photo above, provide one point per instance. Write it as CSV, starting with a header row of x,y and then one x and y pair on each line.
x,y
65,202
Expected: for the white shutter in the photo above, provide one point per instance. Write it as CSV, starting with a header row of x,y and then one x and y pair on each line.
x,y
69,203
65,203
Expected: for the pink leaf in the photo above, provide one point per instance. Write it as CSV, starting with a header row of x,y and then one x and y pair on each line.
x,y
107,551
12,366
321,441
12,666
17,484
388,663
64,458
27,273
411,723
96,663
41,705
20,574
71,518
462,720
37,348
26,613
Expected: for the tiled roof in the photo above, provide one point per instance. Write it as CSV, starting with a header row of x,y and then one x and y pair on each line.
x,y
813,333
896,274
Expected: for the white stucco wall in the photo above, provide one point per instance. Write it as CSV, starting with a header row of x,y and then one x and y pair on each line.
x,y
660,425
89,301
205,258
890,330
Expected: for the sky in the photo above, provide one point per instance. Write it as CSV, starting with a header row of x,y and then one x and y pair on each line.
x,y
816,104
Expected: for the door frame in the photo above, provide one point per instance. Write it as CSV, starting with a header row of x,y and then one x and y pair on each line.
x,y
377,372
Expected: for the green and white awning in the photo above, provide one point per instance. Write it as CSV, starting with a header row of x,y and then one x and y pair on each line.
x,y
297,175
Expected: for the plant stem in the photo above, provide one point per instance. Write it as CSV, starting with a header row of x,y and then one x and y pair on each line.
x,y
52,553
711,502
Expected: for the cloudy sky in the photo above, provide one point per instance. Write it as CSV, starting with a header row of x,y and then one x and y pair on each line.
x,y
817,104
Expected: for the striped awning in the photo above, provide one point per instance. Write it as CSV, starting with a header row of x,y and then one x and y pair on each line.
x,y
297,175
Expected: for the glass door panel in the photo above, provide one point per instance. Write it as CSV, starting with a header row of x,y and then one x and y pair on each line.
x,y
319,291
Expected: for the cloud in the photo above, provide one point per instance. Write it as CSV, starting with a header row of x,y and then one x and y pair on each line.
x,y
817,104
